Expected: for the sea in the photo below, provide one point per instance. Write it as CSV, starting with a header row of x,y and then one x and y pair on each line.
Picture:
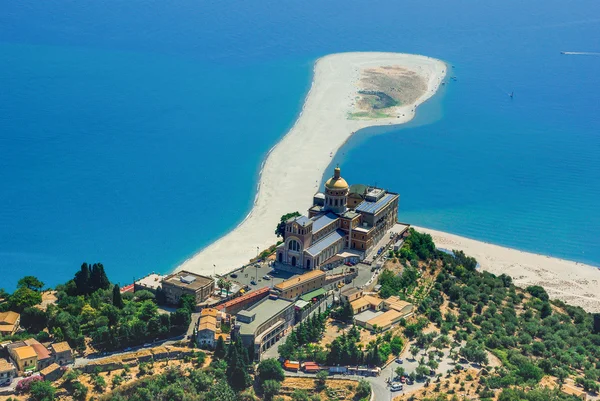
x,y
132,132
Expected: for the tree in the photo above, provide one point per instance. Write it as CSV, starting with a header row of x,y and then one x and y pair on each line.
x,y
82,279
414,351
300,395
79,391
42,391
98,278
270,388
363,390
221,391
31,282
221,285
400,371
34,319
219,348
117,298
320,379
270,369
24,297
227,287
237,366
280,229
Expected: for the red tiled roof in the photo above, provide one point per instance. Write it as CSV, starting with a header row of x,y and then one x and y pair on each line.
x,y
244,297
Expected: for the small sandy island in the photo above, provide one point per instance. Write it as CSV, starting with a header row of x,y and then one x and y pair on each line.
x,y
350,91
574,283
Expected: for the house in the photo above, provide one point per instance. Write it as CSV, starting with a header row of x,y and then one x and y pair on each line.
x,y
52,372
574,391
7,372
351,294
208,327
44,357
9,323
187,283
365,303
23,355
374,313
394,303
62,352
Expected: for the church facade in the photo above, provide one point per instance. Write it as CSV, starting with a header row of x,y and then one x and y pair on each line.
x,y
344,222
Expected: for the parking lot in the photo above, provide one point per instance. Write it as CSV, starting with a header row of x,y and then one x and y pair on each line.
x,y
257,274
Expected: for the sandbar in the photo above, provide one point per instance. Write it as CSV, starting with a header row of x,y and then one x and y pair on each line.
x,y
293,169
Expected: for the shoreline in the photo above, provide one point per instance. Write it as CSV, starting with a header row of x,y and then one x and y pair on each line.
x,y
292,169
572,282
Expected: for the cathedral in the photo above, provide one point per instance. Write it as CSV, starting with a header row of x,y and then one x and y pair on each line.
x,y
343,224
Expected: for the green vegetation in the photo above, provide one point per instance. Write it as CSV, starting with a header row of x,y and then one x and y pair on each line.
x,y
379,100
300,344
531,335
280,229
90,306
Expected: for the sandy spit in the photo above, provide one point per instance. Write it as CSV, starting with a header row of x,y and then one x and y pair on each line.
x,y
572,282
293,169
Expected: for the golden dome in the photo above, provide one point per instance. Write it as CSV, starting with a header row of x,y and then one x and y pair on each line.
x,y
336,182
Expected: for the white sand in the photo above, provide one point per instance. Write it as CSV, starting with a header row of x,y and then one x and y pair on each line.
x,y
572,282
292,171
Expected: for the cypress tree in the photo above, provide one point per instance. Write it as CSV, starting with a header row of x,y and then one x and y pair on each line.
x,y
220,348
82,279
117,298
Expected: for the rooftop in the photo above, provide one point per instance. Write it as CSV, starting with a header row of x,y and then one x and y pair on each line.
x,y
385,318
396,303
262,312
302,220
374,207
313,294
25,352
5,365
49,369
359,189
41,351
189,280
350,291
9,317
243,298
329,240
367,315
151,281
350,214
60,347
323,221
366,300
311,275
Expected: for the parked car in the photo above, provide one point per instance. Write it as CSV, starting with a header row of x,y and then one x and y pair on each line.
x,y
395,386
266,277
253,282
399,360
233,275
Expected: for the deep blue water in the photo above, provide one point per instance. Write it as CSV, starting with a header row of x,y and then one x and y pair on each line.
x,y
132,132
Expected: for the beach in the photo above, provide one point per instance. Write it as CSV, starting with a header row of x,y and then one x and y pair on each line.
x,y
572,282
293,169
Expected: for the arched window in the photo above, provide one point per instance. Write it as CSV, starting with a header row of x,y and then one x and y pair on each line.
x,y
308,263
294,245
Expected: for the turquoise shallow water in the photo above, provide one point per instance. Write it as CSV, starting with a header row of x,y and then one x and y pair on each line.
x,y
132,133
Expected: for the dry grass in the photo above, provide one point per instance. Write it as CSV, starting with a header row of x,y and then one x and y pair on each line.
x,y
344,389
